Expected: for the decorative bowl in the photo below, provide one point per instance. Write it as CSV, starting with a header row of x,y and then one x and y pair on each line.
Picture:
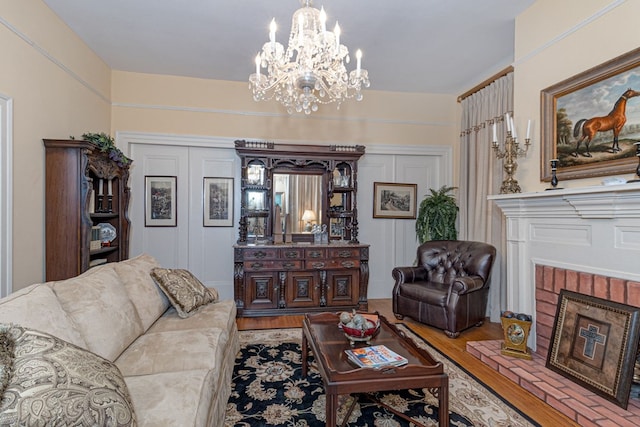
x,y
355,335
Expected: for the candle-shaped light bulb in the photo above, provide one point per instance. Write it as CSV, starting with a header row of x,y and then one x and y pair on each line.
x,y
258,66
323,20
513,129
358,61
272,32
528,128
300,27
507,119
495,133
109,188
100,188
336,31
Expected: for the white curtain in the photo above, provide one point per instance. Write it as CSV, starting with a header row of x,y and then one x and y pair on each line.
x,y
481,175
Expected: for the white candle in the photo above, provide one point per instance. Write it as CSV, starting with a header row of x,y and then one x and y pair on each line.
x,y
528,128
336,31
109,188
300,27
323,20
358,61
272,33
513,129
507,119
495,132
100,189
258,66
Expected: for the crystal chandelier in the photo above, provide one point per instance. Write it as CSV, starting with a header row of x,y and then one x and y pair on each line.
x,y
312,69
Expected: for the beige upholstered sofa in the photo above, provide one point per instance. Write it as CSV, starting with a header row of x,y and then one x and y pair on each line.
x,y
177,370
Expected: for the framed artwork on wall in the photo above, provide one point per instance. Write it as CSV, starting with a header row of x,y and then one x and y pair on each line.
x,y
592,120
391,200
594,343
160,206
218,202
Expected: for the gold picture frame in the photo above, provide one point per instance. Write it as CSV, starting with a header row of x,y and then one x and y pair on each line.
x,y
579,115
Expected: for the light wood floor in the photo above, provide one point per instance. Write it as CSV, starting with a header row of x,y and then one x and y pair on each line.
x,y
455,349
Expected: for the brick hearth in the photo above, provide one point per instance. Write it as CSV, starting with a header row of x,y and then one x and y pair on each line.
x,y
583,406
573,400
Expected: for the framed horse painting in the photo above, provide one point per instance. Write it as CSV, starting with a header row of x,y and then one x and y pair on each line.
x,y
591,121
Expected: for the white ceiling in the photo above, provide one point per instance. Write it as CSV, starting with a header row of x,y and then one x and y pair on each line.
x,y
428,46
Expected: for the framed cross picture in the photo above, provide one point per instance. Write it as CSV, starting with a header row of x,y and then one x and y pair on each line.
x,y
595,343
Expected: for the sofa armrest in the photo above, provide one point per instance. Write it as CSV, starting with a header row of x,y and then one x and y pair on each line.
x,y
409,274
463,285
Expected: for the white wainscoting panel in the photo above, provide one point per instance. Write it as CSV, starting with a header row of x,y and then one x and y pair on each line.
x,y
208,251
393,241
169,245
209,247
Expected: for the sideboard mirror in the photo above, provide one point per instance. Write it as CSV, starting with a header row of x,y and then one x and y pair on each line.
x,y
288,189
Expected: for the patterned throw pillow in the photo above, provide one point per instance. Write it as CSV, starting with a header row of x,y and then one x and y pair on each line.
x,y
55,383
186,293
7,345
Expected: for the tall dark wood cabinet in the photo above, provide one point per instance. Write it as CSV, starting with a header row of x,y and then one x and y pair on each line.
x,y
298,249
84,226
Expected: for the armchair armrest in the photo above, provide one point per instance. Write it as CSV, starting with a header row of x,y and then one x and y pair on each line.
x,y
409,274
463,285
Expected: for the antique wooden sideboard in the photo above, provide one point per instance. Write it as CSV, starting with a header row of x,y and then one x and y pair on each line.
x,y
298,249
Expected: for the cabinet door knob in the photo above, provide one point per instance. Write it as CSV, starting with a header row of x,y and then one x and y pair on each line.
x,y
318,265
344,254
256,265
315,254
288,265
259,254
348,264
291,254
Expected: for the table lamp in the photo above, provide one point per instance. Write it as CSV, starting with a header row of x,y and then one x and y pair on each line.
x,y
307,217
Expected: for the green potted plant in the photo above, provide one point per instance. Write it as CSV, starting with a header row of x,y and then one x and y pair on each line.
x,y
437,216
106,144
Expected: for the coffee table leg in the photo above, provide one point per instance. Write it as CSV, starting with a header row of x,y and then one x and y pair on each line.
x,y
443,403
332,408
305,350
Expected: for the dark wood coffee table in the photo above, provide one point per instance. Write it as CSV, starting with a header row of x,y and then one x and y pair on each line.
x,y
321,334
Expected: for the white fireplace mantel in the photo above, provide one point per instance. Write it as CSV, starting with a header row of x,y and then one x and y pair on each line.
x,y
590,229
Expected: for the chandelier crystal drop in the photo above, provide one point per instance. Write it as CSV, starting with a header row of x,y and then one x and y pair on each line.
x,y
311,71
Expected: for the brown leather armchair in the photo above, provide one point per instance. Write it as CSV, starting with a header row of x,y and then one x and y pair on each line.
x,y
449,288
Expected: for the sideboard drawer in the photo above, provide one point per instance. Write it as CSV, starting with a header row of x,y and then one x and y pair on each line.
x,y
270,265
332,264
291,253
260,254
315,254
344,253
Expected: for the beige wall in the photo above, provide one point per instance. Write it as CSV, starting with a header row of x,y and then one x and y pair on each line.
x,y
556,40
59,88
178,105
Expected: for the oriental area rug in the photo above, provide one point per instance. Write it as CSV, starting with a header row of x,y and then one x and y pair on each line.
x,y
269,390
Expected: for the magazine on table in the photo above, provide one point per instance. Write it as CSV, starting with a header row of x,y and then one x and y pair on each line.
x,y
375,356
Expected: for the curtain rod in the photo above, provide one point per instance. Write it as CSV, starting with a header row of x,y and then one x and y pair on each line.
x,y
485,83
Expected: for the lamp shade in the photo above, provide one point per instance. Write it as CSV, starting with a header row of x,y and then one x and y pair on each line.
x,y
308,215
